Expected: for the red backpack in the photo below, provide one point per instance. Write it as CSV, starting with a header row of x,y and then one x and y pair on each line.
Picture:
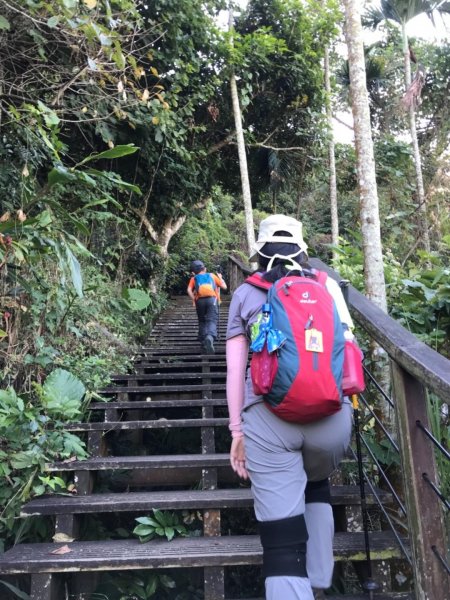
x,y
302,380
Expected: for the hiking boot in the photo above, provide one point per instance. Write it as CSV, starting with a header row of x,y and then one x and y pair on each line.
x,y
209,344
319,594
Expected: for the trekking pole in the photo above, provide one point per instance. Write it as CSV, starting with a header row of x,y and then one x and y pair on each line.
x,y
218,270
369,585
218,317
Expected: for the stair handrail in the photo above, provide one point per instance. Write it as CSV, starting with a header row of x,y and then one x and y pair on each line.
x,y
416,368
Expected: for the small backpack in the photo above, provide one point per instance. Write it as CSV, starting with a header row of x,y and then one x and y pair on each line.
x,y
205,286
301,381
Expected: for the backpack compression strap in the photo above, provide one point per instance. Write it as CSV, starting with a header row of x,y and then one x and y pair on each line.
x,y
258,281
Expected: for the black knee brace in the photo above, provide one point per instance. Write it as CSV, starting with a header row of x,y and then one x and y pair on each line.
x,y
284,546
318,491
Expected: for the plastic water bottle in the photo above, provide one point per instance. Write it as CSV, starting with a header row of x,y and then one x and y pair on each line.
x,y
266,311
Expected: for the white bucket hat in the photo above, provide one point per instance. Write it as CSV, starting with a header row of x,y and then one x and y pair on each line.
x,y
267,233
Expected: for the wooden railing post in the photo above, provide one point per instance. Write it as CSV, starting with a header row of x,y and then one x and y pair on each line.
x,y
237,272
425,519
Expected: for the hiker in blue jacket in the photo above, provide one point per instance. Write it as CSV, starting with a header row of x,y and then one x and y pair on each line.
x,y
288,463
204,291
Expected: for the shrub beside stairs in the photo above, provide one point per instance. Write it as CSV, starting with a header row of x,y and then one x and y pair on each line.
x,y
161,442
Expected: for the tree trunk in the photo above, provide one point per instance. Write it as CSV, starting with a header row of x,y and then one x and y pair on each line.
x,y
331,157
421,200
369,211
161,238
245,182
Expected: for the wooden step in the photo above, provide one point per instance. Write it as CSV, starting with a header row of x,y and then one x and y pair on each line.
x,y
180,552
172,376
159,461
154,404
159,350
151,424
181,350
177,352
182,331
181,322
183,317
172,500
187,337
179,344
206,359
167,371
187,329
153,364
186,314
166,389
193,364
139,502
169,461
174,338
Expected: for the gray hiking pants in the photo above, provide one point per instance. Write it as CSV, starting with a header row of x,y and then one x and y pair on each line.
x,y
280,458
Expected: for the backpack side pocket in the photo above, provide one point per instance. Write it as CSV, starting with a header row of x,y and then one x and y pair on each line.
x,y
263,369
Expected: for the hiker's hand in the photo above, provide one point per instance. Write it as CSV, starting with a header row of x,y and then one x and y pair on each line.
x,y
237,457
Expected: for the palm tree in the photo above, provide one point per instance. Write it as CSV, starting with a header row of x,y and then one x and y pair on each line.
x,y
401,12
379,75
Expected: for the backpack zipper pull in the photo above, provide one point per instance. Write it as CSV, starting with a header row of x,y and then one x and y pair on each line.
x,y
309,322
286,287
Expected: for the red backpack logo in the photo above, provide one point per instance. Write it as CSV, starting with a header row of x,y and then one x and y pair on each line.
x,y
301,380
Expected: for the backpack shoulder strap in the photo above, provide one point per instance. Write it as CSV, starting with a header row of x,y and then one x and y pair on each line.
x,y
257,280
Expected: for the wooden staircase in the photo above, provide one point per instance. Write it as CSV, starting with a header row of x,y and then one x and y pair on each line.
x,y
163,431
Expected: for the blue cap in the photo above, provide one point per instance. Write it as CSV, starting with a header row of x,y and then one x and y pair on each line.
x,y
197,266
